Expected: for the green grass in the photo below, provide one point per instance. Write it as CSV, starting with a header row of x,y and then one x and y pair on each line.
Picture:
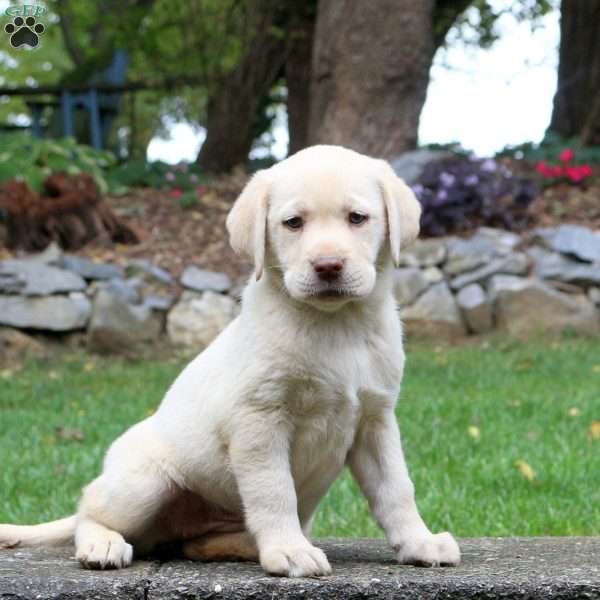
x,y
519,397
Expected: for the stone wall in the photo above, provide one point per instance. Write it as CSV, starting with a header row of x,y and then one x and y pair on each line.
x,y
546,281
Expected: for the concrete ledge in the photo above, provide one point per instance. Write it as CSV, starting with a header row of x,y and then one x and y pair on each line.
x,y
525,568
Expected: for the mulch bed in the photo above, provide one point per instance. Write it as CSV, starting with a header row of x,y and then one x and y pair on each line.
x,y
174,237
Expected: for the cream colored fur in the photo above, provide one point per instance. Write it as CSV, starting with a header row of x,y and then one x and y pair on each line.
x,y
304,382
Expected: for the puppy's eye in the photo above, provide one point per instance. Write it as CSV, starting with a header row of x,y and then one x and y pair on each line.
x,y
357,218
294,223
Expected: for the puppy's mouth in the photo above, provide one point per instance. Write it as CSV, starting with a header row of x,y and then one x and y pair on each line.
x,y
332,294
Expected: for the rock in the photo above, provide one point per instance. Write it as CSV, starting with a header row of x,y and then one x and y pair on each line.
x,y
88,269
159,303
50,256
408,285
145,267
197,319
510,568
11,283
41,279
503,241
52,313
467,255
594,295
410,165
574,240
117,326
125,289
15,346
433,275
201,280
424,253
555,266
515,263
434,314
476,308
525,306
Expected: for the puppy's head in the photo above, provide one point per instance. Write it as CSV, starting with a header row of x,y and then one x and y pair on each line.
x,y
324,219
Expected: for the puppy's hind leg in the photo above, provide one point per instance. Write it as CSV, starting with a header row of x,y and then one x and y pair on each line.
x,y
222,546
116,512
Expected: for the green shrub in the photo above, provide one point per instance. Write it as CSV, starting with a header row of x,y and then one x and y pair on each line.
x,y
31,160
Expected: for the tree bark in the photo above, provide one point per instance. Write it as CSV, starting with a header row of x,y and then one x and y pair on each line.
x,y
233,104
574,112
371,66
298,72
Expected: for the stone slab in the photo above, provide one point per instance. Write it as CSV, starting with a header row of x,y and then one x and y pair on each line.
x,y
511,568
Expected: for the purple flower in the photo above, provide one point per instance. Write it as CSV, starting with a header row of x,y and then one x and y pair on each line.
x,y
471,180
170,176
488,165
447,179
194,177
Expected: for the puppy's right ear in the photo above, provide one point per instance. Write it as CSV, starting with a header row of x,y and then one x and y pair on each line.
x,y
247,221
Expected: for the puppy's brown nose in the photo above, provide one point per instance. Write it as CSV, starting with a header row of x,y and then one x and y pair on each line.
x,y
328,268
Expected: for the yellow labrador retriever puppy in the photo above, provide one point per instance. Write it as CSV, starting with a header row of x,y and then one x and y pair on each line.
x,y
256,429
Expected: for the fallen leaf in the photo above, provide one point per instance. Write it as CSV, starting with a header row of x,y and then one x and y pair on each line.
x,y
474,432
66,433
595,430
6,374
596,368
89,366
574,412
53,375
525,469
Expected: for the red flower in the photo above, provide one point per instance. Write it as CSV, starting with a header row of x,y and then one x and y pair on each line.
x,y
586,170
176,192
567,155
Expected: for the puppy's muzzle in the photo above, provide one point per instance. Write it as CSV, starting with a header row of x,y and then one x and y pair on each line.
x,y
328,268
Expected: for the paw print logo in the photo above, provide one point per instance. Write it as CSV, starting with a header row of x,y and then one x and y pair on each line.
x,y
24,32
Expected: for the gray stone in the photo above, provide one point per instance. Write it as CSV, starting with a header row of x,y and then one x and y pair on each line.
x,y
476,308
50,256
155,272
434,314
503,241
41,279
550,568
575,240
11,283
515,263
89,269
408,285
555,266
117,326
467,255
424,253
525,306
433,275
594,295
159,303
410,165
52,313
201,280
196,320
125,289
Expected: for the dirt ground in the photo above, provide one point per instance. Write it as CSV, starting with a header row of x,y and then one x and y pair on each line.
x,y
173,237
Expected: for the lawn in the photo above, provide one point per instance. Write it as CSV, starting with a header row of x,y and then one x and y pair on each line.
x,y
501,439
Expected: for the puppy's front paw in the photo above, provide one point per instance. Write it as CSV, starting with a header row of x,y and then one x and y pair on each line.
x,y
294,560
429,550
106,552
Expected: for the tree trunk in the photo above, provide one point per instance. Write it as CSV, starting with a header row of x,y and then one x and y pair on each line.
x,y
575,112
298,74
233,105
371,64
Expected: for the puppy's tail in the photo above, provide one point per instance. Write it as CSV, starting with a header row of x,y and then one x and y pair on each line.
x,y
56,533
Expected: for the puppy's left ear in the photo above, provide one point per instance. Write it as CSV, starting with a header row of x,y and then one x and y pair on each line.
x,y
403,210
247,221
